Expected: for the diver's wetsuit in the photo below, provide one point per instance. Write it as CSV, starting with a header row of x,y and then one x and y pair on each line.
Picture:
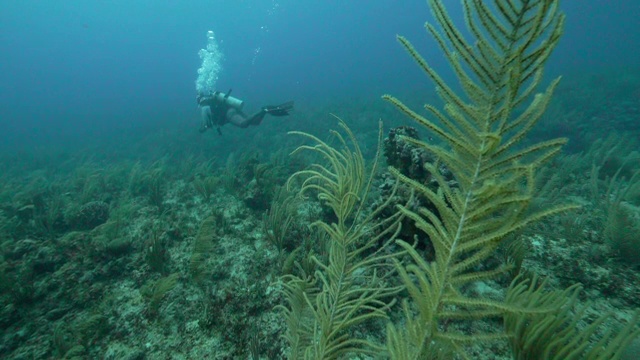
x,y
216,112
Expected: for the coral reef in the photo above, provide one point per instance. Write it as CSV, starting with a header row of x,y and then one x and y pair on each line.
x,y
161,244
405,156
89,216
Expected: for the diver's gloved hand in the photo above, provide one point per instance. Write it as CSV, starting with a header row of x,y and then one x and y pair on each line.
x,y
279,110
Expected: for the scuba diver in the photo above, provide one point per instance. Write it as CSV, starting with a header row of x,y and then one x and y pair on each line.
x,y
217,109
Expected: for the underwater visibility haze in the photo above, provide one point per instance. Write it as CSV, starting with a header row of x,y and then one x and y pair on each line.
x,y
285,179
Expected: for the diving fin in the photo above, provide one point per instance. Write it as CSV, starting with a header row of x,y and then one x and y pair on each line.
x,y
279,110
